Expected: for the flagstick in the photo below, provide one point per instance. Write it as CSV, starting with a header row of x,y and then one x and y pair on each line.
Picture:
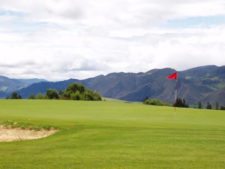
x,y
174,76
175,93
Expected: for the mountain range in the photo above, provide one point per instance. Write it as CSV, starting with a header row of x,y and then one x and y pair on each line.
x,y
205,84
8,85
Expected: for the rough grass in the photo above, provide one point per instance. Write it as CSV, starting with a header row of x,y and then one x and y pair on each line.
x,y
114,135
22,125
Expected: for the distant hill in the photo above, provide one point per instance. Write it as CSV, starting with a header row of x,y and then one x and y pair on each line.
x,y
42,87
206,84
8,85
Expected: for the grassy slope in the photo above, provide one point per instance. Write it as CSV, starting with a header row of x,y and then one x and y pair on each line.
x,y
115,135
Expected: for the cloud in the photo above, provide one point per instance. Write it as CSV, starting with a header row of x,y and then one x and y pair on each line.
x,y
78,39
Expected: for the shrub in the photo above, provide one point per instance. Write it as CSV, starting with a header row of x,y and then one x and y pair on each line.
x,y
155,102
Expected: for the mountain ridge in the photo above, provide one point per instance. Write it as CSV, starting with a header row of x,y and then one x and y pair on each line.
x,y
204,83
8,85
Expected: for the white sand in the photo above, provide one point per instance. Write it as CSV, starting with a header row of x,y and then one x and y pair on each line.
x,y
16,134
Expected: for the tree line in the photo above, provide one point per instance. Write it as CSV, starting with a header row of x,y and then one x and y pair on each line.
x,y
72,92
180,102
210,106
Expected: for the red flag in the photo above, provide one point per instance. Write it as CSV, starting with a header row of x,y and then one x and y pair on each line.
x,y
173,76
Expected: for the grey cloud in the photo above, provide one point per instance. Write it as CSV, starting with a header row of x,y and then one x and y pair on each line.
x,y
18,64
107,36
70,13
73,13
84,66
91,65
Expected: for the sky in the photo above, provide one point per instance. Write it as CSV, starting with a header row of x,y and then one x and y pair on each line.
x,y
62,39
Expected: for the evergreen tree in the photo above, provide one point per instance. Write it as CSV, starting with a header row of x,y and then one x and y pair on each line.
x,y
217,106
199,105
209,106
180,103
14,95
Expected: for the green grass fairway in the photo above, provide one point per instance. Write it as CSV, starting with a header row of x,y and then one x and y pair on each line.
x,y
114,135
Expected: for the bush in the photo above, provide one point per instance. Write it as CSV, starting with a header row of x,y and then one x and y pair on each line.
x,y
155,102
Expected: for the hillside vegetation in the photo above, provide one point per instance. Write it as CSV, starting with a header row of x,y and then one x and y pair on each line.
x,y
74,91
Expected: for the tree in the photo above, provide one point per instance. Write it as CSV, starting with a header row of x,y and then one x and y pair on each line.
x,y
76,96
60,93
199,105
180,103
88,95
52,94
79,92
217,106
40,96
75,87
146,98
97,96
66,94
209,106
15,95
32,96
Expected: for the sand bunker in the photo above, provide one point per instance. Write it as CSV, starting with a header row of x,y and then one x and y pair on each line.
x,y
17,134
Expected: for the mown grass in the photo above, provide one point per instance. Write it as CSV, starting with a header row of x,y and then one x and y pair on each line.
x,y
114,135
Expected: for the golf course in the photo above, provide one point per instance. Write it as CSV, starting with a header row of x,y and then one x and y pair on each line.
x,y
113,135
